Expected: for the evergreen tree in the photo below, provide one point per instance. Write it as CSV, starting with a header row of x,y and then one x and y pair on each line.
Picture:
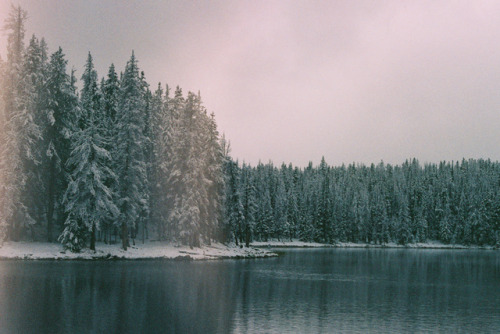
x,y
225,228
323,204
157,201
235,210
16,136
171,160
131,164
4,201
191,198
280,220
110,94
144,215
110,97
88,199
30,106
211,171
249,205
62,115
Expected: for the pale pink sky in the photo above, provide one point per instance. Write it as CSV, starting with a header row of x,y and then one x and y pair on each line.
x,y
355,81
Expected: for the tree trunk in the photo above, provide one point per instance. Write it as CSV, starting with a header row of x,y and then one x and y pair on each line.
x,y
143,232
50,204
92,237
124,235
247,236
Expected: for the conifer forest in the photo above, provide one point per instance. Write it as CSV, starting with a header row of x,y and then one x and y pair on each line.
x,y
86,158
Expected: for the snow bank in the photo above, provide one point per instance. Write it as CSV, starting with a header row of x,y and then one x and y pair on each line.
x,y
299,244
294,243
149,250
164,250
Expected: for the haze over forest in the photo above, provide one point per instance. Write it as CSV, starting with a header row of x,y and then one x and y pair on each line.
x,y
292,81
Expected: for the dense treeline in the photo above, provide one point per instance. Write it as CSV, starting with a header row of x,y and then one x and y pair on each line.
x,y
112,159
457,202
116,160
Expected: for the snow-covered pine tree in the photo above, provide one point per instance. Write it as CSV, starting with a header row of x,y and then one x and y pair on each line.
x,y
224,229
12,210
88,199
292,200
155,152
324,203
235,211
186,162
192,198
110,96
3,172
61,118
144,215
280,221
264,214
172,159
110,93
31,106
131,165
404,235
214,174
249,204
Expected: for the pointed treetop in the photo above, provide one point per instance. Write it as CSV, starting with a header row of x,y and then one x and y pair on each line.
x,y
178,91
89,74
14,25
89,58
112,71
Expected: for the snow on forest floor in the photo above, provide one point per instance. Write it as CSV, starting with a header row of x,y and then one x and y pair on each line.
x,y
302,244
149,250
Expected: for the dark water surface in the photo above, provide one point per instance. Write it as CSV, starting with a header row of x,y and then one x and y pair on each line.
x,y
303,291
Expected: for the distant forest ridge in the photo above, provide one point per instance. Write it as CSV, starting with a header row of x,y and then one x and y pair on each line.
x,y
117,160
451,202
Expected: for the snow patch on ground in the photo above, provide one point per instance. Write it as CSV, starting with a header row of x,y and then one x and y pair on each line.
x,y
149,250
298,244
295,243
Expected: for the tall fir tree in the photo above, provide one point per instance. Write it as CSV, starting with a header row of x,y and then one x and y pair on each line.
x,y
16,135
214,161
190,199
171,160
88,199
62,114
110,94
3,171
156,157
130,159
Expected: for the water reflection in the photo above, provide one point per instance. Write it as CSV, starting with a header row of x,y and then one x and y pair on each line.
x,y
376,291
329,290
122,297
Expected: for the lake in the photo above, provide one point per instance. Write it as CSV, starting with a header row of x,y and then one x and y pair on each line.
x,y
302,291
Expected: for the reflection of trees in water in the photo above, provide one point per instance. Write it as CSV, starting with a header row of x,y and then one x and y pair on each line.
x,y
369,290
117,297
334,290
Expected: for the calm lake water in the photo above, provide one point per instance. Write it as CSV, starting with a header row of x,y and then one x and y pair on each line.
x,y
303,291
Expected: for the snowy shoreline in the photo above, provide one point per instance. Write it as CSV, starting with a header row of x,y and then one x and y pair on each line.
x,y
147,251
303,244
163,250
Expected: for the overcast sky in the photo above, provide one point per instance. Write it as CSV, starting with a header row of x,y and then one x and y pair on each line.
x,y
292,81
